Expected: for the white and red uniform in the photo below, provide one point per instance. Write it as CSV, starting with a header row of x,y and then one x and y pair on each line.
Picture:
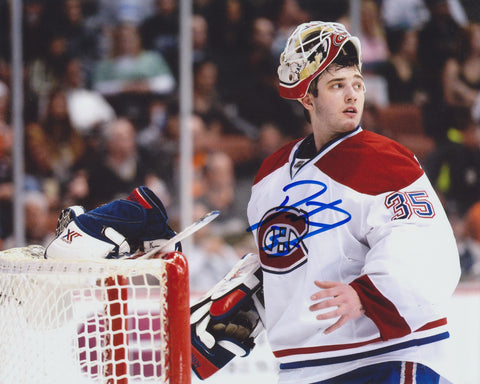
x,y
361,211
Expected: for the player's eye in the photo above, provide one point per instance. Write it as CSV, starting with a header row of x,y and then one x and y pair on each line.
x,y
359,86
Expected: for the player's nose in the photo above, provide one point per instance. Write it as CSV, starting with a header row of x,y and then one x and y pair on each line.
x,y
350,94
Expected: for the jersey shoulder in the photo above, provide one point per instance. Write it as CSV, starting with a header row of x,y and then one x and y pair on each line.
x,y
371,164
275,161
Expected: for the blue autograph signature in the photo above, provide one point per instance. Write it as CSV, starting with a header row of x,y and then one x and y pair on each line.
x,y
314,209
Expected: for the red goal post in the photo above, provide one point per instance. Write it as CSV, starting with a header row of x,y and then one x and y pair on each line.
x,y
94,321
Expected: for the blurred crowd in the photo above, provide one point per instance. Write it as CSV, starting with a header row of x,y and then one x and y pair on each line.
x,y
101,112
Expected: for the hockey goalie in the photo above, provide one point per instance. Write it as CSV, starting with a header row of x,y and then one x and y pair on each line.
x,y
356,252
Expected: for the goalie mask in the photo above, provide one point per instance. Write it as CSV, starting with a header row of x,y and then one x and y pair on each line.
x,y
310,49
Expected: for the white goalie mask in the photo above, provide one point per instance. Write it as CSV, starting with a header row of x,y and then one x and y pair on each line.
x,y
310,49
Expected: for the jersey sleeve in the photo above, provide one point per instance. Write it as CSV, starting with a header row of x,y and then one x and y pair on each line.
x,y
412,267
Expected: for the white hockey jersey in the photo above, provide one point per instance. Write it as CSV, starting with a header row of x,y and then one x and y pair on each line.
x,y
362,212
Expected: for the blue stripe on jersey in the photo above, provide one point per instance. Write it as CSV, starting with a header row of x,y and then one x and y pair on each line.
x,y
386,373
363,355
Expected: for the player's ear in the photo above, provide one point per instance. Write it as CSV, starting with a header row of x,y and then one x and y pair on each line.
x,y
307,102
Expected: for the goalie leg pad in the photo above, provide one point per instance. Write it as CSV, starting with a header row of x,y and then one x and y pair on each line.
x,y
118,228
75,242
226,321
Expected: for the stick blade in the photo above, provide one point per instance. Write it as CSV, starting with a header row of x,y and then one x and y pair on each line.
x,y
188,231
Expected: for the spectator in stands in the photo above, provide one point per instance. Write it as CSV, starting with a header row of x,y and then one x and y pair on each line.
x,y
132,75
200,40
370,118
113,12
164,153
76,190
207,100
406,14
40,222
261,40
264,105
461,74
53,146
6,164
202,7
270,138
259,56
5,39
328,10
4,105
120,167
82,36
232,133
219,193
36,30
438,40
88,111
148,137
372,35
164,147
287,15
439,37
160,31
401,70
87,108
47,71
454,169
229,22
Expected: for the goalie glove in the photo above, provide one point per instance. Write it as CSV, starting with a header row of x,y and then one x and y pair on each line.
x,y
118,228
226,321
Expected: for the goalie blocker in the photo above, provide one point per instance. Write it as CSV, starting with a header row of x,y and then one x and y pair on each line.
x,y
226,321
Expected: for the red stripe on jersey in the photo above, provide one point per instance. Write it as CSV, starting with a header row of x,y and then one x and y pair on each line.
x,y
339,347
433,324
381,310
370,163
275,161
323,348
408,373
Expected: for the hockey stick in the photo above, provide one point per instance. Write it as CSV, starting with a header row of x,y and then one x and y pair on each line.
x,y
190,230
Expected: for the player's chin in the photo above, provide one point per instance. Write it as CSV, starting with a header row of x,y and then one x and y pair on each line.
x,y
350,124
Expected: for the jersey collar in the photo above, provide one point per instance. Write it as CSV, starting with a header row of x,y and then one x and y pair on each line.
x,y
306,150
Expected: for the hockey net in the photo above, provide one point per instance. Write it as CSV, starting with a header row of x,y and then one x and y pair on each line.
x,y
93,321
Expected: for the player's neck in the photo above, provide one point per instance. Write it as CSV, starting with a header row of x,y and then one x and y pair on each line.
x,y
323,139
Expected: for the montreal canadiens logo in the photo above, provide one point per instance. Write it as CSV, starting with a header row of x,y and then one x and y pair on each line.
x,y
281,239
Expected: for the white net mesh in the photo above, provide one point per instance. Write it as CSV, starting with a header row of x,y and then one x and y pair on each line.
x,y
89,321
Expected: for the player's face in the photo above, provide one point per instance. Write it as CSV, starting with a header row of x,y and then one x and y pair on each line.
x,y
339,105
